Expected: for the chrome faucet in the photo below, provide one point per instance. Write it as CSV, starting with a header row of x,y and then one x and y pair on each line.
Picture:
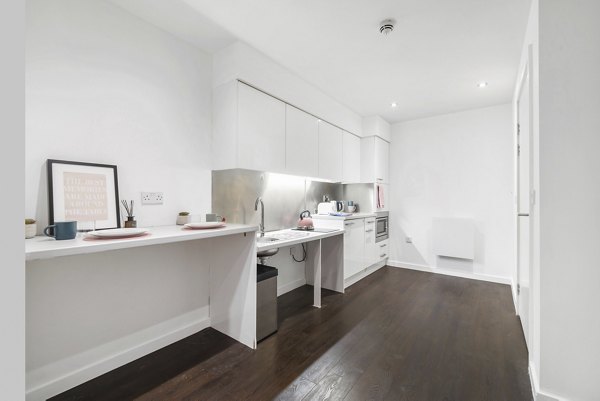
x,y
262,215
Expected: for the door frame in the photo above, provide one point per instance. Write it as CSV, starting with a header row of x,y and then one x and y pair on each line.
x,y
526,73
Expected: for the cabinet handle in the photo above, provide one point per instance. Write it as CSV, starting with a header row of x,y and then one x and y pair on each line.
x,y
383,255
379,179
348,224
368,231
382,245
371,222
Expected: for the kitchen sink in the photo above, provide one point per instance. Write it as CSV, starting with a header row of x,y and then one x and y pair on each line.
x,y
266,239
267,253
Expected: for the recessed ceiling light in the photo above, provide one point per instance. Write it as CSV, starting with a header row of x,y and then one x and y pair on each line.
x,y
482,84
394,105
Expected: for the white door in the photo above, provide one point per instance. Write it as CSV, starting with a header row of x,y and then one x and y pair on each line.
x,y
524,190
301,139
330,152
354,247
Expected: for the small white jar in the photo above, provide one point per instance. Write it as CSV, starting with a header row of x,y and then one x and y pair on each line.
x,y
181,220
30,230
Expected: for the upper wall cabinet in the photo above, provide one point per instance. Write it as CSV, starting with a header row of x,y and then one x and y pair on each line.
x,y
256,131
330,152
249,129
302,133
375,159
351,158
261,130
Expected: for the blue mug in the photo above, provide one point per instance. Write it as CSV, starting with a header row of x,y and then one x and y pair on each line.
x,y
62,230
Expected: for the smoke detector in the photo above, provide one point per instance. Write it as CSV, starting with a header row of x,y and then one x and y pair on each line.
x,y
386,26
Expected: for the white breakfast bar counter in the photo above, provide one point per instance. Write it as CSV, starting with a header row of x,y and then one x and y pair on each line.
x,y
93,305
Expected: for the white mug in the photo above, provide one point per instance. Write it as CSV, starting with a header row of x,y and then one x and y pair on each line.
x,y
337,206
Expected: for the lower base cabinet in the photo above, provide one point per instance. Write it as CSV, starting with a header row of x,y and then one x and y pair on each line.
x,y
361,250
354,247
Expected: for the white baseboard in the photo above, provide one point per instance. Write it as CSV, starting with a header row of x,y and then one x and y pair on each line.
x,y
448,272
290,286
359,276
535,389
57,377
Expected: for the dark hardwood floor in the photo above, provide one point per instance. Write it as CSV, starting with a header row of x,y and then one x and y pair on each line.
x,y
395,335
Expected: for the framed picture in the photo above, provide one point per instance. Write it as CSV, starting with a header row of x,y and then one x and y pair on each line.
x,y
84,192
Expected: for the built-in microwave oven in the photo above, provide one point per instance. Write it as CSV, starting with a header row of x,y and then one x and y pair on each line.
x,y
382,226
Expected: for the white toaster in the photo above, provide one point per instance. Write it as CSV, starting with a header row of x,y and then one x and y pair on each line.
x,y
324,208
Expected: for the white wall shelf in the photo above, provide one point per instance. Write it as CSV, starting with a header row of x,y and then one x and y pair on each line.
x,y
45,247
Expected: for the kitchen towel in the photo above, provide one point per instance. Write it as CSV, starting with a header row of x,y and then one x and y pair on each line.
x,y
380,201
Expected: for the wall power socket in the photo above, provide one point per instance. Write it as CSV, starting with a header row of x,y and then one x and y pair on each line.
x,y
152,198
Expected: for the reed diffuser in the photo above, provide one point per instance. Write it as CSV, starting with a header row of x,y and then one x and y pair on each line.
x,y
130,222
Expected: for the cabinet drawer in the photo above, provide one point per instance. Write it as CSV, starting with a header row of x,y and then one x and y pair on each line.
x,y
382,249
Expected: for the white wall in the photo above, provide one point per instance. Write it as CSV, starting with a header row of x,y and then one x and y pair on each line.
x,y
569,123
240,61
103,86
12,148
454,165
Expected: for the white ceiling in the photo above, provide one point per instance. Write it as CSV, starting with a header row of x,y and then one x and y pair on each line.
x,y
430,64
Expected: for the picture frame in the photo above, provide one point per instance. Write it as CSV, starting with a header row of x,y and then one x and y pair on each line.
x,y
84,192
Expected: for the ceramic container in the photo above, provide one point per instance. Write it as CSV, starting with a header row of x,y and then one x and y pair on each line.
x,y
181,220
30,230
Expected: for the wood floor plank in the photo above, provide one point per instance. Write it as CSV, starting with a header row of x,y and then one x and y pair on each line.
x,y
395,335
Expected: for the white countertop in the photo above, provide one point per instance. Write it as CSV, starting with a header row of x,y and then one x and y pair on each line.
x,y
42,247
351,217
289,237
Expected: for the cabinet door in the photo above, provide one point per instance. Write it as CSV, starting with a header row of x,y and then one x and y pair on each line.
x,y
371,248
330,152
354,247
260,131
367,159
382,160
301,139
351,158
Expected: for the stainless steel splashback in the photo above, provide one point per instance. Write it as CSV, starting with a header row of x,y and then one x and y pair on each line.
x,y
361,194
285,196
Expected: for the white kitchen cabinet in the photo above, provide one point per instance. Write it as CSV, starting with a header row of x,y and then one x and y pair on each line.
x,y
350,158
261,130
330,152
354,247
382,250
375,159
382,160
302,133
362,255
371,248
249,129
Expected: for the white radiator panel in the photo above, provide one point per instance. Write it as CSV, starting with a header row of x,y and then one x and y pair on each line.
x,y
454,237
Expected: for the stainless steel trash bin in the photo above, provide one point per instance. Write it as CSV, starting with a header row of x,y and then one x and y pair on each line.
x,y
266,301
